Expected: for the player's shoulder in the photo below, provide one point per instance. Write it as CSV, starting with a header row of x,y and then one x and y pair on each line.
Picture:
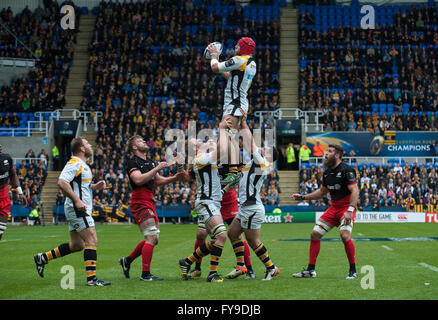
x,y
74,161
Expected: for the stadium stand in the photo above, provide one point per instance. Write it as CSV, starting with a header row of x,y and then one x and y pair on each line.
x,y
373,80
43,88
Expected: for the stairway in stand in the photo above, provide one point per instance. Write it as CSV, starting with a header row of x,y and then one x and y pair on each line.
x,y
48,195
289,75
289,50
289,184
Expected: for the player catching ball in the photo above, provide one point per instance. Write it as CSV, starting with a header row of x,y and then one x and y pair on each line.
x,y
339,180
239,72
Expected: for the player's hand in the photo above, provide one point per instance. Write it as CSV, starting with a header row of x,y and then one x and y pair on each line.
x,y
100,185
297,197
347,217
23,199
80,205
212,50
180,175
243,124
162,165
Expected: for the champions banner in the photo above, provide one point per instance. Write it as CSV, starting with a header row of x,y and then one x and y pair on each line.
x,y
391,144
286,217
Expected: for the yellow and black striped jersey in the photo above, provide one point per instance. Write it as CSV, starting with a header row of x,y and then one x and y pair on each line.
x,y
77,173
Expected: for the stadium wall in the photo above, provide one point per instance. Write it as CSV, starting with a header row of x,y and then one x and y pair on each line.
x,y
17,147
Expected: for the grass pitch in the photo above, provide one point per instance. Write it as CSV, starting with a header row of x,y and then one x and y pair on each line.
x,y
402,269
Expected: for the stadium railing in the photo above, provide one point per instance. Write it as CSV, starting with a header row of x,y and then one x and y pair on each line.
x,y
33,127
310,118
90,118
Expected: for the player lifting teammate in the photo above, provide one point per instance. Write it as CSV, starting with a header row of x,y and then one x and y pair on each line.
x,y
143,176
251,209
339,180
207,205
7,175
239,72
229,209
75,182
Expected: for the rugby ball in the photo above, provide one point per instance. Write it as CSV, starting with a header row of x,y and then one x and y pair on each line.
x,y
218,46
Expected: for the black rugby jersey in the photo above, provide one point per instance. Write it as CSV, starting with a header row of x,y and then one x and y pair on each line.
x,y
145,191
338,179
6,166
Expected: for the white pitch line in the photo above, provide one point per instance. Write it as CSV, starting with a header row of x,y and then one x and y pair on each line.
x,y
10,240
387,248
428,266
360,234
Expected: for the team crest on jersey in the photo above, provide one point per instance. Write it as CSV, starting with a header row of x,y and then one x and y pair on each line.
x,y
339,175
5,162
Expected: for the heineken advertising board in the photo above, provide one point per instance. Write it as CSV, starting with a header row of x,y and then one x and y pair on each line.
x,y
285,217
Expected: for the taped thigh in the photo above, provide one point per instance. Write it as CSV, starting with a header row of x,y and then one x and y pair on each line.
x,y
322,228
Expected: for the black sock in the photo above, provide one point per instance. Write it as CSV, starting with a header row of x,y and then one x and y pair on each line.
x,y
128,259
249,268
353,267
144,274
311,267
198,266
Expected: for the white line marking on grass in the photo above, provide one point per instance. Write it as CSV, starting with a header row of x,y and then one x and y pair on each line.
x,y
428,266
360,234
10,240
387,248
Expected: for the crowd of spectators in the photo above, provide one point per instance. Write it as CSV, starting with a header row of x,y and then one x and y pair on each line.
x,y
43,88
347,71
32,173
147,75
414,188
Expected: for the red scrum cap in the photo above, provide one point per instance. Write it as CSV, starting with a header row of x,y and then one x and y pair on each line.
x,y
247,46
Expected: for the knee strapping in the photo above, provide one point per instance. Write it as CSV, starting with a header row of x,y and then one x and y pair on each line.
x,y
151,231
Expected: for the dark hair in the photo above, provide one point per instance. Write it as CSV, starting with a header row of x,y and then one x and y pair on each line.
x,y
338,149
76,145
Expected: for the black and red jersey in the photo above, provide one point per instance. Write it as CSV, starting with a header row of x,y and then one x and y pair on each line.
x,y
145,191
337,181
6,167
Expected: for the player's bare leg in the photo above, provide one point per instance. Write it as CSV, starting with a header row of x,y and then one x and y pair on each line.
x,y
345,234
229,148
320,229
150,230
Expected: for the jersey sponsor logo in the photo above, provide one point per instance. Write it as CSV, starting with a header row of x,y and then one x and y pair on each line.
x,y
229,63
6,175
339,175
250,76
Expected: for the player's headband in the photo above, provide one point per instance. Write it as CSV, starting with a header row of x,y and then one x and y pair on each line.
x,y
247,46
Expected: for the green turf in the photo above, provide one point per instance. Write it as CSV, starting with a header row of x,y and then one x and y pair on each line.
x,y
397,273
